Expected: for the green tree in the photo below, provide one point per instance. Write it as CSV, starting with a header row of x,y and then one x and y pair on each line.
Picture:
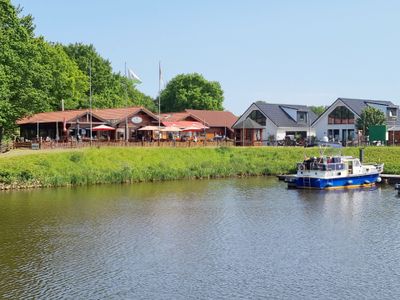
x,y
318,110
109,89
370,116
23,82
191,91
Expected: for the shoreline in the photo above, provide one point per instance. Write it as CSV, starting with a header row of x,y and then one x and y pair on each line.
x,y
119,165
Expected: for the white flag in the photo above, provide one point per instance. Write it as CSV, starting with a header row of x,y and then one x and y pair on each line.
x,y
160,76
133,76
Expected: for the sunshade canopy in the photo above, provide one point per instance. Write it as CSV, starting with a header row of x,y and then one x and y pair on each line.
x,y
102,128
149,128
171,129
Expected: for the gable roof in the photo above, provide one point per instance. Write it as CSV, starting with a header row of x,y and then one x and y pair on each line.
x,y
54,116
110,115
357,105
174,117
213,118
247,124
277,114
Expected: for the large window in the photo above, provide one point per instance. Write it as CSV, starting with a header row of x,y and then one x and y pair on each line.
x,y
341,115
257,116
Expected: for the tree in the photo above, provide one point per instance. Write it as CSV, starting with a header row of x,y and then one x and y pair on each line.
x,y
191,91
109,89
318,110
370,116
23,80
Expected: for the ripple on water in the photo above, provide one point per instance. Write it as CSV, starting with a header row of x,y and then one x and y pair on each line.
x,y
222,239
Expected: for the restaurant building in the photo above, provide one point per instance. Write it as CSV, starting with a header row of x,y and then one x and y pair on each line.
x,y
111,124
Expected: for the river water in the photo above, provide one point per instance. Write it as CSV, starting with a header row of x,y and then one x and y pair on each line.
x,y
220,239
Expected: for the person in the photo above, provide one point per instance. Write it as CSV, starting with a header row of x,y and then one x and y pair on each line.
x,y
195,139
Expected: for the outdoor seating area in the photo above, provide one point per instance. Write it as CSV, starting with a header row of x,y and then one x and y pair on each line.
x,y
132,126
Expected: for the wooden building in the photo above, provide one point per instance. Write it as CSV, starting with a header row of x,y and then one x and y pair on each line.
x,y
77,124
219,123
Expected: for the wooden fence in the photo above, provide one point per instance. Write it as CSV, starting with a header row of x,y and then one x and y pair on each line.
x,y
97,144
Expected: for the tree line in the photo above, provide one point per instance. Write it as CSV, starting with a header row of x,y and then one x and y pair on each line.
x,y
36,75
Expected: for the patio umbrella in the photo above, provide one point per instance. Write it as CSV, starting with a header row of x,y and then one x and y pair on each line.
x,y
102,128
149,128
171,129
193,128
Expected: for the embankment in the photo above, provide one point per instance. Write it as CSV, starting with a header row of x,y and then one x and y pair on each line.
x,y
121,165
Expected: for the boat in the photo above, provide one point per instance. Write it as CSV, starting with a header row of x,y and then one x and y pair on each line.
x,y
335,172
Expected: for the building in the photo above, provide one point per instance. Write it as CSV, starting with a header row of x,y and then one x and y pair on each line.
x,y
264,123
338,122
71,124
219,123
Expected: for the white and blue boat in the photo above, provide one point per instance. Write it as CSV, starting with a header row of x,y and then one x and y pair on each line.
x,y
335,172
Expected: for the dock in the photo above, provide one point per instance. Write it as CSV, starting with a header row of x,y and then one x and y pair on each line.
x,y
386,178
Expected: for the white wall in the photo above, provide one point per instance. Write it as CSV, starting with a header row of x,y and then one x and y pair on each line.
x,y
321,127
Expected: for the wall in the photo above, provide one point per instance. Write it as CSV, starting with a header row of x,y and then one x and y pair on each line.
x,y
321,127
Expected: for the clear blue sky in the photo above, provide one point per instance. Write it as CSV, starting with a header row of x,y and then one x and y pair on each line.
x,y
297,52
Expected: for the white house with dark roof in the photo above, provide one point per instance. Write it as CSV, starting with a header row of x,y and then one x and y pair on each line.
x,y
338,121
276,120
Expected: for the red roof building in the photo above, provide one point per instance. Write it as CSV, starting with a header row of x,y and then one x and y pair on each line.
x,y
62,125
219,123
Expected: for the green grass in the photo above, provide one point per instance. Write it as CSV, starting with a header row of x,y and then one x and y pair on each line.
x,y
120,165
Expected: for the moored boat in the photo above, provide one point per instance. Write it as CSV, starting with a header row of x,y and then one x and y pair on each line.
x,y
336,172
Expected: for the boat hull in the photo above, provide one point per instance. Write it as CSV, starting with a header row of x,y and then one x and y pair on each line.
x,y
337,183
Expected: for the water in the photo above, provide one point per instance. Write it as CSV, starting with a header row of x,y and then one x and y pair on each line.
x,y
221,239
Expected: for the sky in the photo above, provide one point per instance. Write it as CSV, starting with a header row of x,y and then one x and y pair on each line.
x,y
293,52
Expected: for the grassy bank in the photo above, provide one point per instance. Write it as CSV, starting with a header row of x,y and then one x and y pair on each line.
x,y
119,165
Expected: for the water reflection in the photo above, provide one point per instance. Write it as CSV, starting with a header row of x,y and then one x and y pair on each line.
x,y
239,238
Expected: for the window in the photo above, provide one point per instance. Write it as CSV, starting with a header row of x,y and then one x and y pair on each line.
x,y
302,117
257,116
341,115
392,112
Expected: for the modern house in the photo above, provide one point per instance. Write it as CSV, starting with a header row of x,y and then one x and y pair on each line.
x,y
338,122
266,122
218,123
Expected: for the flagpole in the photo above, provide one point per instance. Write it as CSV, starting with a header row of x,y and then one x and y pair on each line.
x,y
159,99
90,101
126,104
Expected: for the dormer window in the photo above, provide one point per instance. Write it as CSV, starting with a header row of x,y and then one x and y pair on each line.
x,y
392,112
302,117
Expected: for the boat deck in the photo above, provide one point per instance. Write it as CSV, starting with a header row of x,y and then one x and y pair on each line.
x,y
386,178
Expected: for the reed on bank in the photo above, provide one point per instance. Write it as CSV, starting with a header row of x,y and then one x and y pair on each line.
x,y
121,164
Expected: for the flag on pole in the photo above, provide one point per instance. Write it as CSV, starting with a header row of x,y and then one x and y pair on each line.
x,y
133,76
160,76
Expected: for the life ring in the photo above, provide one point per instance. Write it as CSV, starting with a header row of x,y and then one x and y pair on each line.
x,y
301,167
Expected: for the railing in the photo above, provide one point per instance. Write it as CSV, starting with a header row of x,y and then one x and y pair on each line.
x,y
84,144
